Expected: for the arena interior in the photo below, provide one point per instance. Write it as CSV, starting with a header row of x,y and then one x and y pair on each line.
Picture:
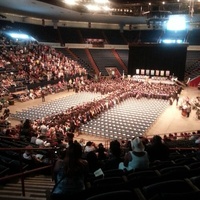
x,y
99,80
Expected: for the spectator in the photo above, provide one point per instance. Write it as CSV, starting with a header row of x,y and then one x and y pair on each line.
x,y
6,113
93,162
34,159
137,158
114,157
89,147
101,152
26,130
71,174
157,150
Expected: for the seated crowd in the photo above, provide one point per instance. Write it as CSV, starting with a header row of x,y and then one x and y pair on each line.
x,y
26,63
77,169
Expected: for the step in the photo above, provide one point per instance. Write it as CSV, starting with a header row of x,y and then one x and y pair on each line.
x,y
29,182
19,193
18,185
27,189
8,197
38,179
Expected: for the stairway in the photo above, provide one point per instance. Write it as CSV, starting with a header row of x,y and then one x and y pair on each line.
x,y
36,188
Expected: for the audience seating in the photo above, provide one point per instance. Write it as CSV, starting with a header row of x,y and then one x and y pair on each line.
x,y
194,195
56,106
3,170
170,186
139,179
184,161
174,172
161,164
196,181
117,195
138,114
109,183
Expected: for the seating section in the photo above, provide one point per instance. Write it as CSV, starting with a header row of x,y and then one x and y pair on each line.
x,y
114,37
54,107
108,61
171,186
118,195
83,59
70,35
118,123
123,54
91,33
162,180
192,65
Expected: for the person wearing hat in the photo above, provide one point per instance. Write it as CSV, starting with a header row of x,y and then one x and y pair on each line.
x,y
137,158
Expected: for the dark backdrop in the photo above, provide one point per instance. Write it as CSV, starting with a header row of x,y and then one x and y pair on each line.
x,y
170,57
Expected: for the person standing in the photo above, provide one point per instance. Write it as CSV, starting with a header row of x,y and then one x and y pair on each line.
x,y
188,109
6,112
43,95
71,174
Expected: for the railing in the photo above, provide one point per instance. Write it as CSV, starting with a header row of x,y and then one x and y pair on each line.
x,y
22,173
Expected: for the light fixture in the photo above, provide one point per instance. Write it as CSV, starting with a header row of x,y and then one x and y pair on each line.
x,y
70,2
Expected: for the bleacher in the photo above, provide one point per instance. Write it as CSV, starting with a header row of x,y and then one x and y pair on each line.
x,y
114,37
108,61
70,35
123,54
180,171
83,59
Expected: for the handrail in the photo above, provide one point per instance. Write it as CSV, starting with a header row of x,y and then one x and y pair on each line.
x,y
22,173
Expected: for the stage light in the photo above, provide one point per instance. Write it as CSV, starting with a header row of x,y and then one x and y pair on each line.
x,y
101,1
20,36
70,2
91,7
176,22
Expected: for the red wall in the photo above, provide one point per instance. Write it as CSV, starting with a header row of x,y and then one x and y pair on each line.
x,y
194,82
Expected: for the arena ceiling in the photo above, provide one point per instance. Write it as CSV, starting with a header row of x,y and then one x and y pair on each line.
x,y
123,11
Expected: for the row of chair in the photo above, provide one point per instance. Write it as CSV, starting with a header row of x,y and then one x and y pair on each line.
x,y
148,184
131,118
144,185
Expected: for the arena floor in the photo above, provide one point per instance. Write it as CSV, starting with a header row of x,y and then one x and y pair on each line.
x,y
170,121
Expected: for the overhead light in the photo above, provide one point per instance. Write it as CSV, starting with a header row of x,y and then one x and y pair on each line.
x,y
91,7
106,8
101,1
70,2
